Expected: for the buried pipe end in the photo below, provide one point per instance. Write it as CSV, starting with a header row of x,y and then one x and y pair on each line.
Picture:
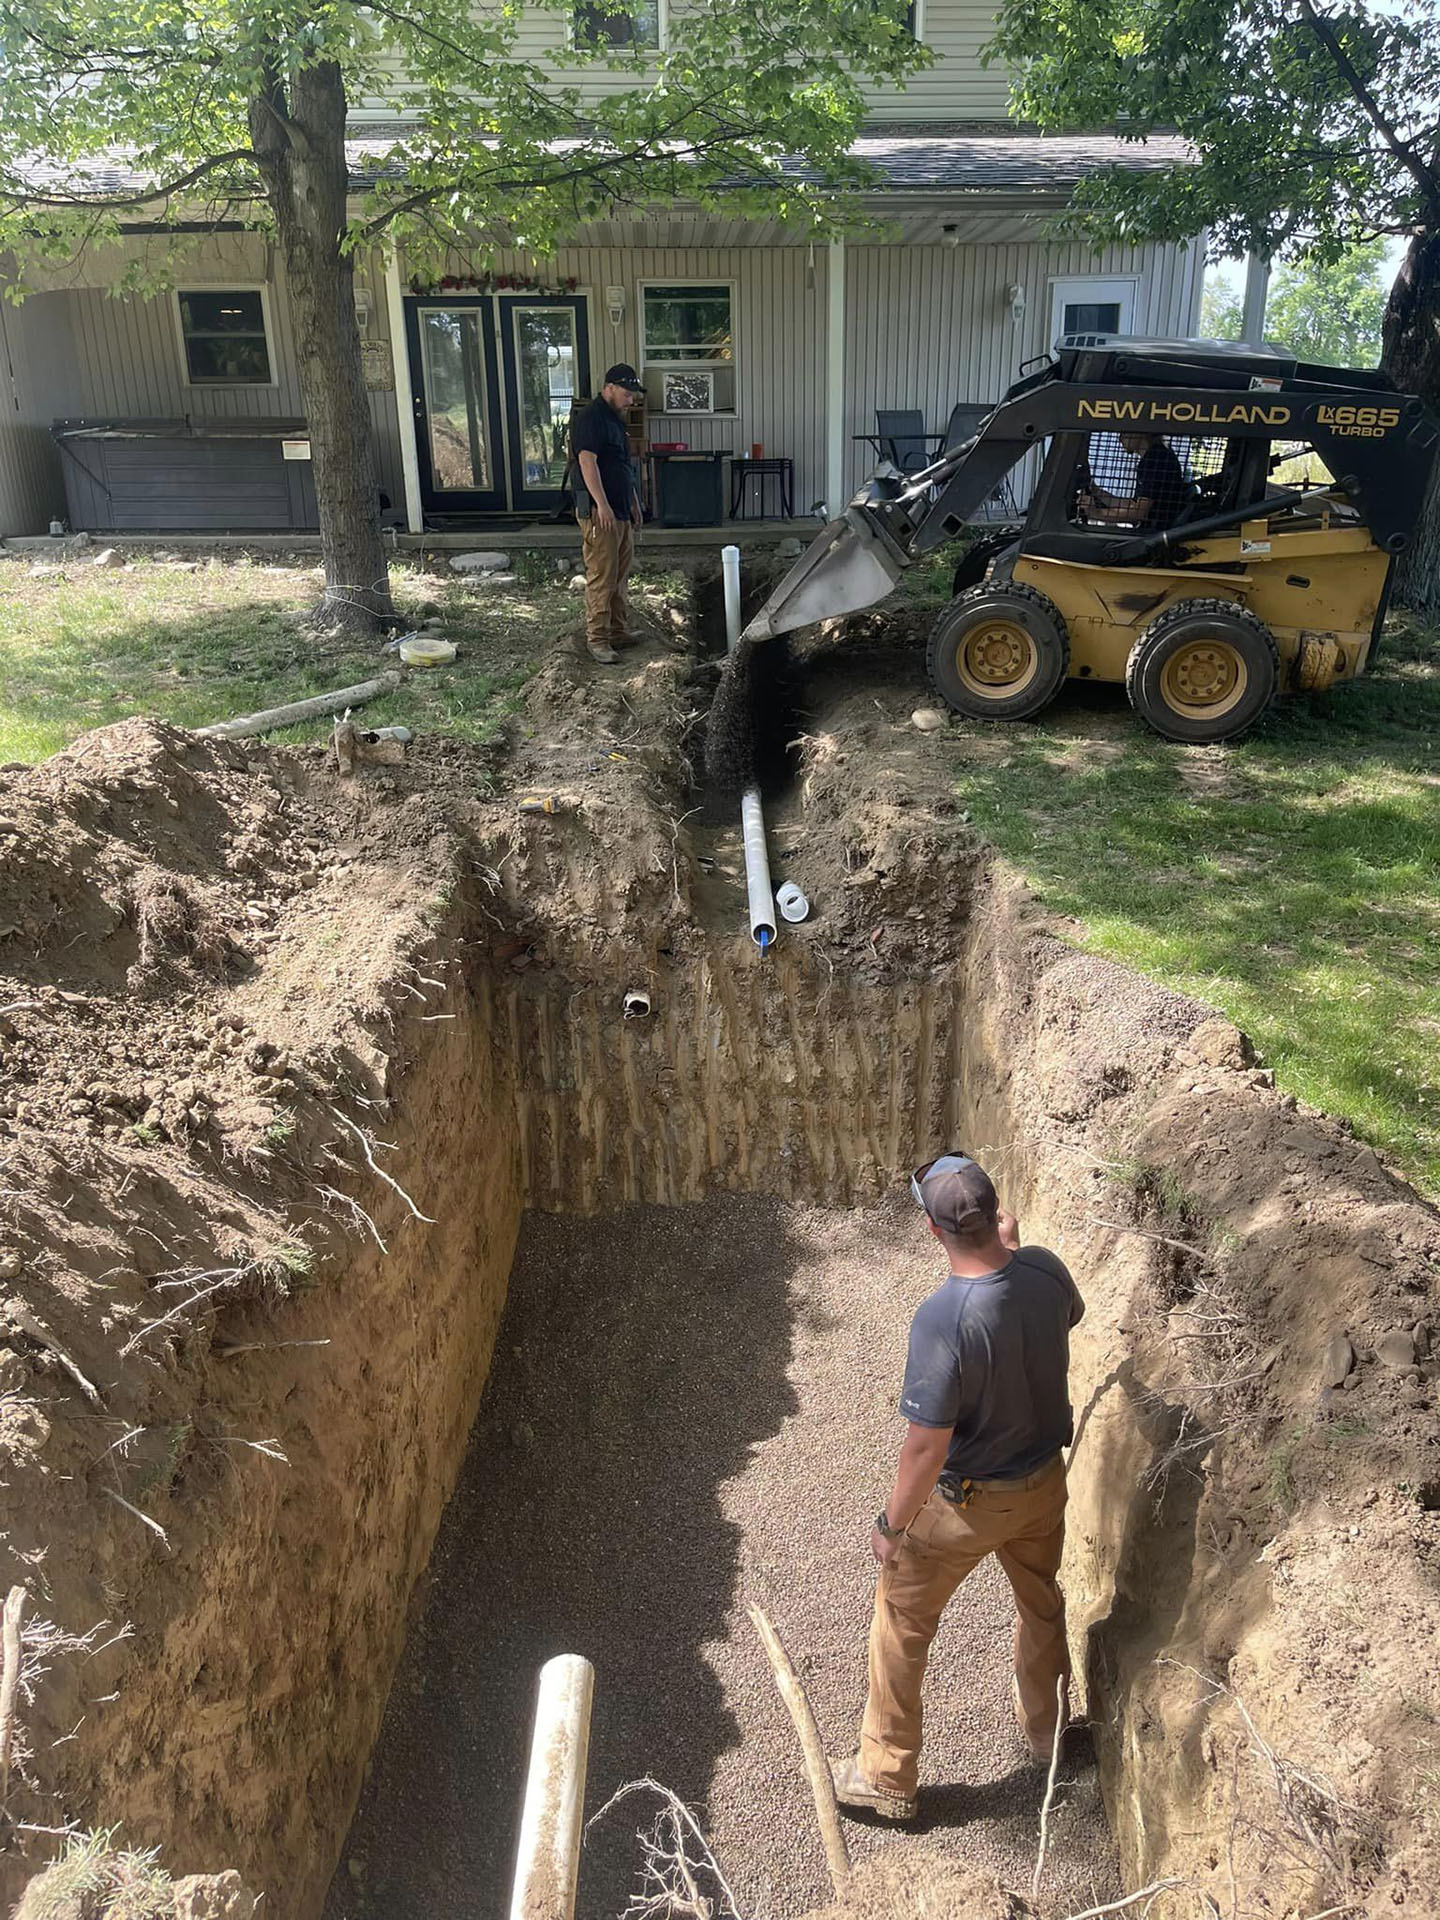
x,y
763,936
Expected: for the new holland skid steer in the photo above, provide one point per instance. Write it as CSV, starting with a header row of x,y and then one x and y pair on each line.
x,y
1209,525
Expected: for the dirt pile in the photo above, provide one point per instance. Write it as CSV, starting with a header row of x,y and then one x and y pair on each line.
x,y
923,1887
95,1882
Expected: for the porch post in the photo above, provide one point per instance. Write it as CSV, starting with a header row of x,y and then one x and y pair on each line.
x,y
404,394
835,378
1257,293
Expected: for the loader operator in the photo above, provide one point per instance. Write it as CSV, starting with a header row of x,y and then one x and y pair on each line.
x,y
987,1398
1162,493
608,505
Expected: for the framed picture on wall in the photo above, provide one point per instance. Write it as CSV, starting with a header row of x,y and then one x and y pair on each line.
x,y
690,392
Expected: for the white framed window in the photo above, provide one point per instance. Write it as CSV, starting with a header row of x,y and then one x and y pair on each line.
x,y
1093,304
687,345
225,336
619,26
915,19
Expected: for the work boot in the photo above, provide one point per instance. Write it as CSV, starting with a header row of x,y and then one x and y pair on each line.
x,y
852,1789
604,655
624,639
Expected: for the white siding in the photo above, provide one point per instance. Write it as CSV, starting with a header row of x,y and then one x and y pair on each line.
x,y
123,355
779,340
927,326
954,87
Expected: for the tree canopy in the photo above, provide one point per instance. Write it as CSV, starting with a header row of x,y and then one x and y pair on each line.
x,y
1330,311
745,103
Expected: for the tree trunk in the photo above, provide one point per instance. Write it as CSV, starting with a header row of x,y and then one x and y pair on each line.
x,y
299,134
1411,356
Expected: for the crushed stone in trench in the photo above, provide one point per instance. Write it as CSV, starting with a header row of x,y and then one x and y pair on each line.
x,y
692,1408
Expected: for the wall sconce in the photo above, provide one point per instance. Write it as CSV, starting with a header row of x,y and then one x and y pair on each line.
x,y
1016,296
950,235
362,309
615,305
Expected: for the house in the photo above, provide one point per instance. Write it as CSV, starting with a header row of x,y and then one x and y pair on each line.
x,y
749,336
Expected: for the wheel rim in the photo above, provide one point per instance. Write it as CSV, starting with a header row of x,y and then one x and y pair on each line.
x,y
1204,679
996,659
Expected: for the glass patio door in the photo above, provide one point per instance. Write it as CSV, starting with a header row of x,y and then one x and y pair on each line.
x,y
545,356
457,405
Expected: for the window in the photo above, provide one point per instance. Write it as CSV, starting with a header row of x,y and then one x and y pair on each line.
x,y
601,24
687,345
915,19
1091,306
223,336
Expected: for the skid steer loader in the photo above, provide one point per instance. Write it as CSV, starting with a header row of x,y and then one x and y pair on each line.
x,y
1259,561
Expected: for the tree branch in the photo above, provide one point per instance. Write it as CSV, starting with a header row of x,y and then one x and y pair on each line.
x,y
1404,152
84,202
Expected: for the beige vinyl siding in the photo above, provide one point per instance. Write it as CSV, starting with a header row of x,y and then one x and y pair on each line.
x,y
31,493
954,87
124,357
779,323
927,326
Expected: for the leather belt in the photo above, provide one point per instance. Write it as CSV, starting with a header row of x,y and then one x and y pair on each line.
x,y
958,1492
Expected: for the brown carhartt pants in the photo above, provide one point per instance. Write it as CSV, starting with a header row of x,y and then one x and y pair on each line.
x,y
608,552
1024,1524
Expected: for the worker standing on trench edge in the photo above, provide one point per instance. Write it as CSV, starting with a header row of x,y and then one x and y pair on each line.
x,y
608,505
986,1394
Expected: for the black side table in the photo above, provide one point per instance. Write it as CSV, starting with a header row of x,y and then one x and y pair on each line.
x,y
779,469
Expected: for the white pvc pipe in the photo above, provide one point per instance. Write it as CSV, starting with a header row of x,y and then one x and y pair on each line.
x,y
752,819
549,1856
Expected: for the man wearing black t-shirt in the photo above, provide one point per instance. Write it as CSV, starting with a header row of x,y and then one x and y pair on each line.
x,y
981,1471
608,504
1162,493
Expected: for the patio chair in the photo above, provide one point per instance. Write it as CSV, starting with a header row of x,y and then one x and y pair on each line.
x,y
964,421
903,441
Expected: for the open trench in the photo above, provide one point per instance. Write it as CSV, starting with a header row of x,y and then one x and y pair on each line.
x,y
636,1366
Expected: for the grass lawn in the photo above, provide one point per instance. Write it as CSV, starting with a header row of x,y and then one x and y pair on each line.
x,y
208,639
1291,878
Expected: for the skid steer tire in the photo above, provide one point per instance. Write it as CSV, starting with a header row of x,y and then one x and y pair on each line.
x,y
998,653
1203,671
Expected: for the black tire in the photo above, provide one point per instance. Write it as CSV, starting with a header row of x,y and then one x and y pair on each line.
x,y
999,653
1203,671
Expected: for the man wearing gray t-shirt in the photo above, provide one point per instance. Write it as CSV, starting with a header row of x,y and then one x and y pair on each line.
x,y
986,1394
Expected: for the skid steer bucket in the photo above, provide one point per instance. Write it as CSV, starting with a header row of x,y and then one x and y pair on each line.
x,y
851,565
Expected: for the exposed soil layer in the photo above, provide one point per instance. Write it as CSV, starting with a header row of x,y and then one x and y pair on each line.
x,y
692,1408
281,1060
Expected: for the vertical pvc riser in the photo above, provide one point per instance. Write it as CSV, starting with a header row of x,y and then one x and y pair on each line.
x,y
548,1862
752,820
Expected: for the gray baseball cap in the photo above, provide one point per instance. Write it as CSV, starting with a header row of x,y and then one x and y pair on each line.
x,y
956,1193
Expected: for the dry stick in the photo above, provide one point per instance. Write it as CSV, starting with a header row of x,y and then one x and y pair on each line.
x,y
1115,1906
817,1766
1141,1894
286,716
1118,1226
370,1162
1049,1799
143,1518
27,1323
10,1682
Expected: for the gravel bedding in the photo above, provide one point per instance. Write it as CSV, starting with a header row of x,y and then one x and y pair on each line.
x,y
690,1408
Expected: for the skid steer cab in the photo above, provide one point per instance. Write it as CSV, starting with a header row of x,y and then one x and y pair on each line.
x,y
1208,525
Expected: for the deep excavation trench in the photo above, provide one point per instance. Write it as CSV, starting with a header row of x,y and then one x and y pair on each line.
x,y
686,1400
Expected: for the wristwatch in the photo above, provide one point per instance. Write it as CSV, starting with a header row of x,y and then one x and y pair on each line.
x,y
884,1528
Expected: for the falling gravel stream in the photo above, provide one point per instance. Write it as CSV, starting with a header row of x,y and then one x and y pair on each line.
x,y
690,1408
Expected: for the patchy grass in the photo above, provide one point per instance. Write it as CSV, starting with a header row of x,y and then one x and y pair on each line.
x,y
203,640
1291,879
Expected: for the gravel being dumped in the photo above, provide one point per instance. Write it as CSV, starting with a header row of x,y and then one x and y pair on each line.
x,y
689,1409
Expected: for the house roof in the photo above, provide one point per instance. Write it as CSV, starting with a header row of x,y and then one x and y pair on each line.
x,y
923,158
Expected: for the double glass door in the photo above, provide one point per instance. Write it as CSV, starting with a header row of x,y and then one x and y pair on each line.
x,y
493,377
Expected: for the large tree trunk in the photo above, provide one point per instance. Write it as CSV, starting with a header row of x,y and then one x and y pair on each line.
x,y
299,133
1411,357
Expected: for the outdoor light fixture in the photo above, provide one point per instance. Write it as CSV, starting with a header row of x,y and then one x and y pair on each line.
x,y
950,235
1016,296
362,309
615,305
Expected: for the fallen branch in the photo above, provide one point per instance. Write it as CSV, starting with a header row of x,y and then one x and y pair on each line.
x,y
298,710
1118,1226
1049,1799
10,1682
1130,1900
827,1811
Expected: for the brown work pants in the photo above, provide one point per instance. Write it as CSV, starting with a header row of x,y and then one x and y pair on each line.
x,y
608,552
1024,1525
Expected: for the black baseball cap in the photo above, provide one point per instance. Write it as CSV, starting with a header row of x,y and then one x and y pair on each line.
x,y
956,1192
624,375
